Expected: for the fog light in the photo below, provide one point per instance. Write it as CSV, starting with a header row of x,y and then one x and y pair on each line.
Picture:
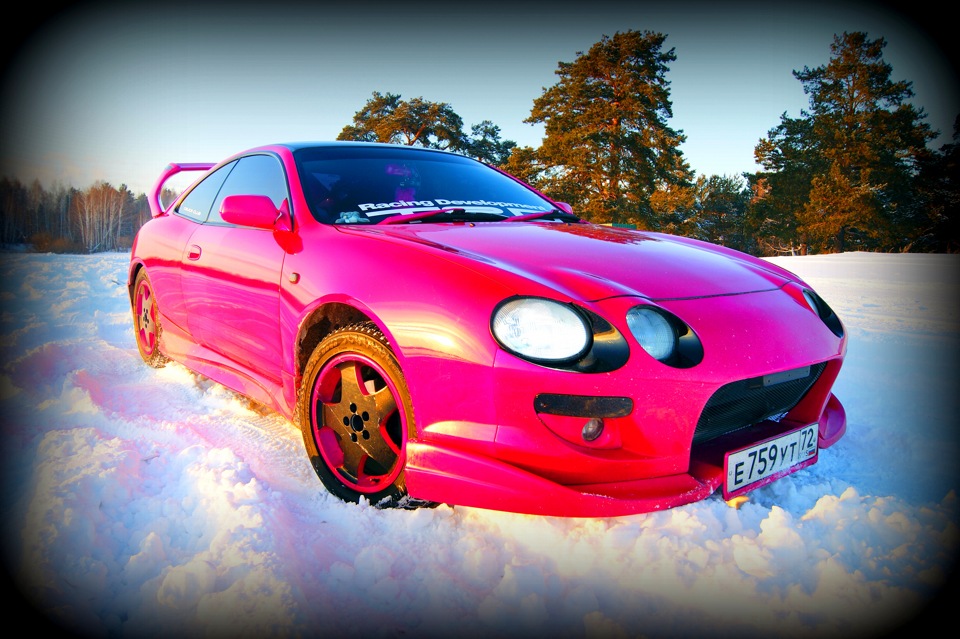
x,y
592,429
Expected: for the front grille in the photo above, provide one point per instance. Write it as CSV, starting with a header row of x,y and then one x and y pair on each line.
x,y
740,404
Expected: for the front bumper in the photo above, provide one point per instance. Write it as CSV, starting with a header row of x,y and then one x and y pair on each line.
x,y
447,475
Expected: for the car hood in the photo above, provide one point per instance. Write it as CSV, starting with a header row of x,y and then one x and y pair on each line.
x,y
594,262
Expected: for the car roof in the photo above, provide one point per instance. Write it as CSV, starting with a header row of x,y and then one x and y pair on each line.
x,y
294,146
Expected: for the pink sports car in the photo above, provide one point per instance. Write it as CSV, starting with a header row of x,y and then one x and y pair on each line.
x,y
443,333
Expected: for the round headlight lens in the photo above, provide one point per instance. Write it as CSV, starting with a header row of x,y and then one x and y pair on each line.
x,y
812,300
824,312
541,330
653,332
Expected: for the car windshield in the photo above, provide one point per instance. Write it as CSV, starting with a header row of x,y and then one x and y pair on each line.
x,y
355,185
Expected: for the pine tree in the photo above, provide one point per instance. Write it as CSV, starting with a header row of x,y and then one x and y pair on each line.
x,y
608,148
937,209
845,170
718,213
386,117
485,144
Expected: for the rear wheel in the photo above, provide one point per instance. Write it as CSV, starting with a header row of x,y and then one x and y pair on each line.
x,y
146,323
356,417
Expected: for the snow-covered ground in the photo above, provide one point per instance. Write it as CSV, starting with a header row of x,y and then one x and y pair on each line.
x,y
146,503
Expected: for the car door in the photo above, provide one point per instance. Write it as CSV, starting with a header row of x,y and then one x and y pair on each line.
x,y
231,276
162,255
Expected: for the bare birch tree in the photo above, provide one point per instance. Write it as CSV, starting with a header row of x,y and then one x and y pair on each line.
x,y
98,215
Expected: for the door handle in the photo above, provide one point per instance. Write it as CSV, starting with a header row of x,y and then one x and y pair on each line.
x,y
194,252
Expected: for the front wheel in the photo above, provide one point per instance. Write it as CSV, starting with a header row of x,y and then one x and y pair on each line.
x,y
356,417
146,322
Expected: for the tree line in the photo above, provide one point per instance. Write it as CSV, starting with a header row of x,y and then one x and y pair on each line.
x,y
65,219
853,172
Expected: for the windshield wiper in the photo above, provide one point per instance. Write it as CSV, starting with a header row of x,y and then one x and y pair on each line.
x,y
442,215
555,214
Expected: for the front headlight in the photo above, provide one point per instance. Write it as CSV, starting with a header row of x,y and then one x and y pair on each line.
x,y
823,310
541,330
813,300
653,332
664,336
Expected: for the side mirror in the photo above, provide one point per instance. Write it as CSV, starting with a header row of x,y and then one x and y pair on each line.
x,y
257,211
563,206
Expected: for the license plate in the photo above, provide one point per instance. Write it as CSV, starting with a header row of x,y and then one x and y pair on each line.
x,y
760,464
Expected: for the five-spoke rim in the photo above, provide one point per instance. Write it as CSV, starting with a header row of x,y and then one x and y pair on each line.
x,y
146,318
357,423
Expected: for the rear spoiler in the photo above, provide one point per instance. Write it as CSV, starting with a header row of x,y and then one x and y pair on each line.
x,y
156,207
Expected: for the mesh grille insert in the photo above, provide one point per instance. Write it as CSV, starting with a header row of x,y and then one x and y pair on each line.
x,y
740,404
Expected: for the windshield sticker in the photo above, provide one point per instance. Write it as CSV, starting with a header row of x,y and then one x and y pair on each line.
x,y
375,209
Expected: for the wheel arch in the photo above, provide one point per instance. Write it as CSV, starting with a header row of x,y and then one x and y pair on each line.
x,y
324,320
135,268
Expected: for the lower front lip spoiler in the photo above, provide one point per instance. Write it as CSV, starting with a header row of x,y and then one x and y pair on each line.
x,y
447,475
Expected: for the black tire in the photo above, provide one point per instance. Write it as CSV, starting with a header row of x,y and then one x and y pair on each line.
x,y
356,417
146,321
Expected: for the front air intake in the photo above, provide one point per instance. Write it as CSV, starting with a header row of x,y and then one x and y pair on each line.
x,y
740,404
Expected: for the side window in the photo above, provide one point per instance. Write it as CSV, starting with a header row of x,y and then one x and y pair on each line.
x,y
253,175
196,205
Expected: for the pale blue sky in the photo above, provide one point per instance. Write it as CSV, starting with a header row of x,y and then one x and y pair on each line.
x,y
115,91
